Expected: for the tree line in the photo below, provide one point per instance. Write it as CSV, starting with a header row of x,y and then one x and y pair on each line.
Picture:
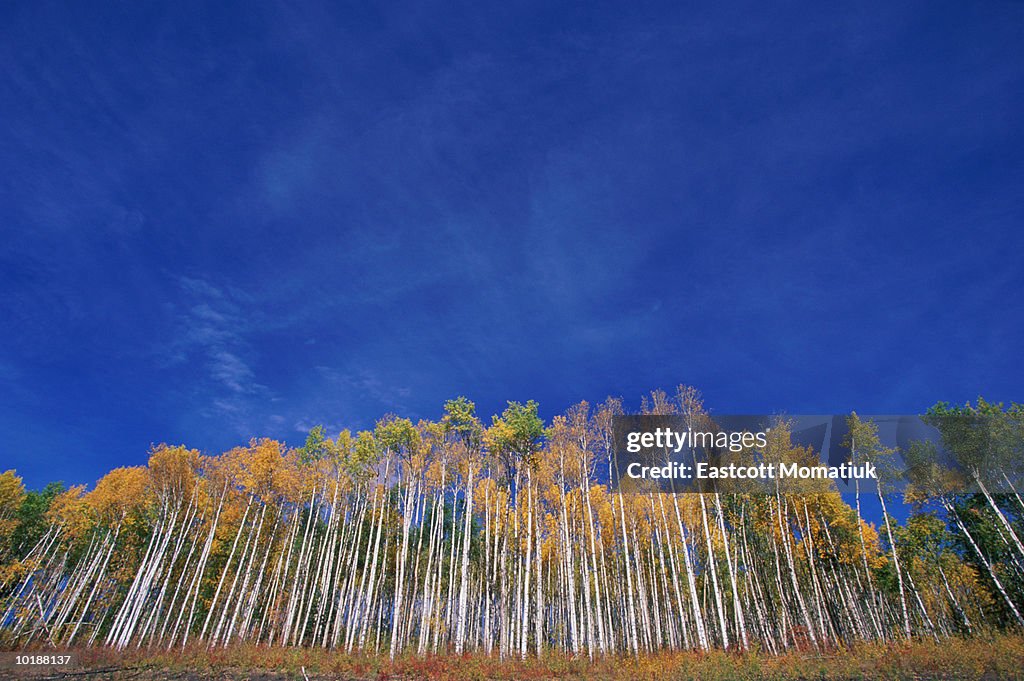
x,y
506,538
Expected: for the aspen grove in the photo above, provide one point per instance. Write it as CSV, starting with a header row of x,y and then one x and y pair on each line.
x,y
455,536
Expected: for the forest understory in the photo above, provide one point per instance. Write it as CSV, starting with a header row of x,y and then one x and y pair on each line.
x,y
999,657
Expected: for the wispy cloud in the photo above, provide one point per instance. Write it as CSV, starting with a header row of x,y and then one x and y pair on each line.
x,y
213,335
331,428
365,384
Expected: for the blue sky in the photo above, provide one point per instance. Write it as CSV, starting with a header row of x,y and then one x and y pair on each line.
x,y
239,220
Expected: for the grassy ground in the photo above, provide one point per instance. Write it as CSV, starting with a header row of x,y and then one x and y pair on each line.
x,y
995,658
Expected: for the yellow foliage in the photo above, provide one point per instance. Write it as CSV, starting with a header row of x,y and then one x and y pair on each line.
x,y
70,511
119,492
12,493
173,471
